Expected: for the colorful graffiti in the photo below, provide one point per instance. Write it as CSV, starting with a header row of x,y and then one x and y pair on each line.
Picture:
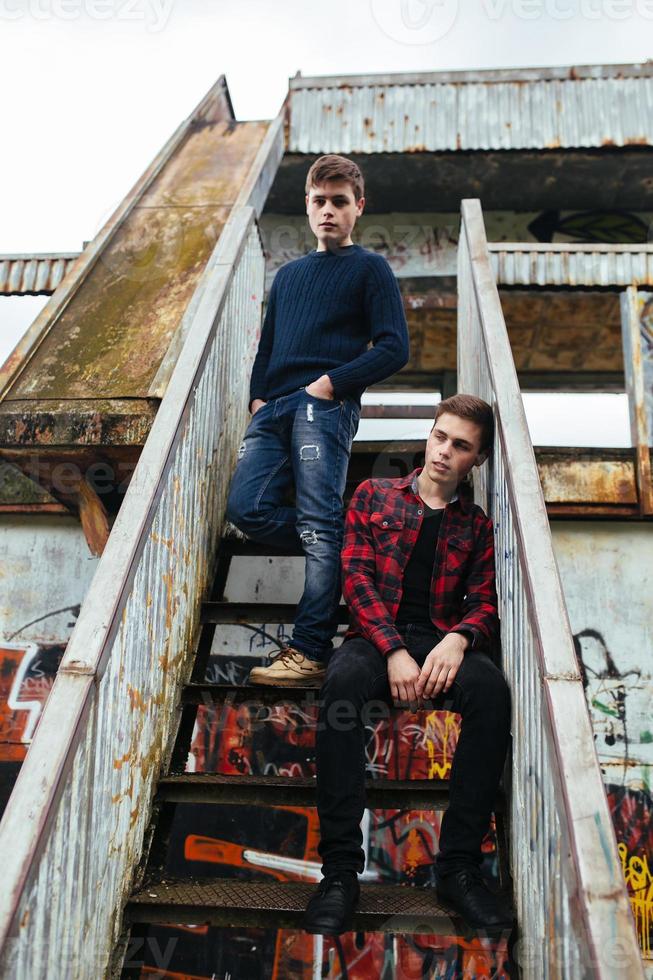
x,y
280,843
286,955
632,814
27,672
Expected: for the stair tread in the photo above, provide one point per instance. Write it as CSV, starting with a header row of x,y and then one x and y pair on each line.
x,y
259,790
222,779
204,691
387,908
258,612
239,549
282,895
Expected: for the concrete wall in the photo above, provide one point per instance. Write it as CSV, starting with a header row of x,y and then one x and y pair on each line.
x,y
607,577
45,571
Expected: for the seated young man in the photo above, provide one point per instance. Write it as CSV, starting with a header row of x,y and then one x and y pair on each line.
x,y
418,577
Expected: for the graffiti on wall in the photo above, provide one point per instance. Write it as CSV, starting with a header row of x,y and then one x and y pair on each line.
x,y
280,842
27,672
426,244
619,703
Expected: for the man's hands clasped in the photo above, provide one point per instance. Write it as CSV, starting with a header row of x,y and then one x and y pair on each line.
x,y
411,686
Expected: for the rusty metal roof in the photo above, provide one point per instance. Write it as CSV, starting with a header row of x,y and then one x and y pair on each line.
x,y
33,275
536,108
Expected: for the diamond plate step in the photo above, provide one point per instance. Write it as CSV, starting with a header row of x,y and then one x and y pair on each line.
x,y
408,794
256,612
280,905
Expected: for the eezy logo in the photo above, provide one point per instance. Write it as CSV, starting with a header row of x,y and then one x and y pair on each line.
x,y
415,21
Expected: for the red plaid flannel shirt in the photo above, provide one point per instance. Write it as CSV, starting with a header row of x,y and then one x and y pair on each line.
x,y
381,528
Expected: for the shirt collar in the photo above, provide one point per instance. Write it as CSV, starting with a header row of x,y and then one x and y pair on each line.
x,y
462,496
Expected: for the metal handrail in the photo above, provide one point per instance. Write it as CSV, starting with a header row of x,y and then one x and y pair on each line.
x,y
572,903
72,832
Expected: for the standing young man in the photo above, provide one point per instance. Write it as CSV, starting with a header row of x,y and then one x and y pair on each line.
x,y
418,577
313,363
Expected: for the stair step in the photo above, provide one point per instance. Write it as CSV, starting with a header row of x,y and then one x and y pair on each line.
x,y
235,548
256,612
385,794
280,905
205,693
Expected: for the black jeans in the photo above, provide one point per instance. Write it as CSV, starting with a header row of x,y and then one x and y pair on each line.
x,y
356,689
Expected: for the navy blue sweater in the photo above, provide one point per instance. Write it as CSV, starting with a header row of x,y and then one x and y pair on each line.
x,y
323,310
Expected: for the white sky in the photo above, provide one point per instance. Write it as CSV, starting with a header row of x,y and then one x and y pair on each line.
x,y
93,88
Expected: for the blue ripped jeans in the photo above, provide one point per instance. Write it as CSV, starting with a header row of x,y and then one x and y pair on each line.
x,y
306,441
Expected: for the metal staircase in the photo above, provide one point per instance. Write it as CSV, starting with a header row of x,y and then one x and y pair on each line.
x,y
82,856
226,901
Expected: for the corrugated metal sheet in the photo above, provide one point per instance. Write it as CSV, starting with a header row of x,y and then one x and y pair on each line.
x,y
33,275
535,109
572,265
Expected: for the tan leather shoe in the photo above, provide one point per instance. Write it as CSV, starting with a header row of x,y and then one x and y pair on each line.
x,y
289,668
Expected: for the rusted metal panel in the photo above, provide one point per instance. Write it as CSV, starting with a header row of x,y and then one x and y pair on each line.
x,y
90,422
580,477
484,111
566,908
560,264
106,728
112,336
637,334
33,275
215,106
110,339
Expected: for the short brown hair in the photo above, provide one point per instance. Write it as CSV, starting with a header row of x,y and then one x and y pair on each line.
x,y
334,167
475,410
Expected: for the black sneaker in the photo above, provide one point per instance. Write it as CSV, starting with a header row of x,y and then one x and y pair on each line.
x,y
330,910
466,892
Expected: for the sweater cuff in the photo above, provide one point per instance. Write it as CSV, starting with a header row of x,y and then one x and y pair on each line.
x,y
340,388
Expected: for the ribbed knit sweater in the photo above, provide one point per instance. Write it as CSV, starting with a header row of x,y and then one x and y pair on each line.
x,y
323,311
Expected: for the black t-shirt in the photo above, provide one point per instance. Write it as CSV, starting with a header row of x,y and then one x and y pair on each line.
x,y
415,601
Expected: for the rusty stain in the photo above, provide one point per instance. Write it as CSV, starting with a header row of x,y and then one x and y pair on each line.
x,y
166,542
135,698
587,481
